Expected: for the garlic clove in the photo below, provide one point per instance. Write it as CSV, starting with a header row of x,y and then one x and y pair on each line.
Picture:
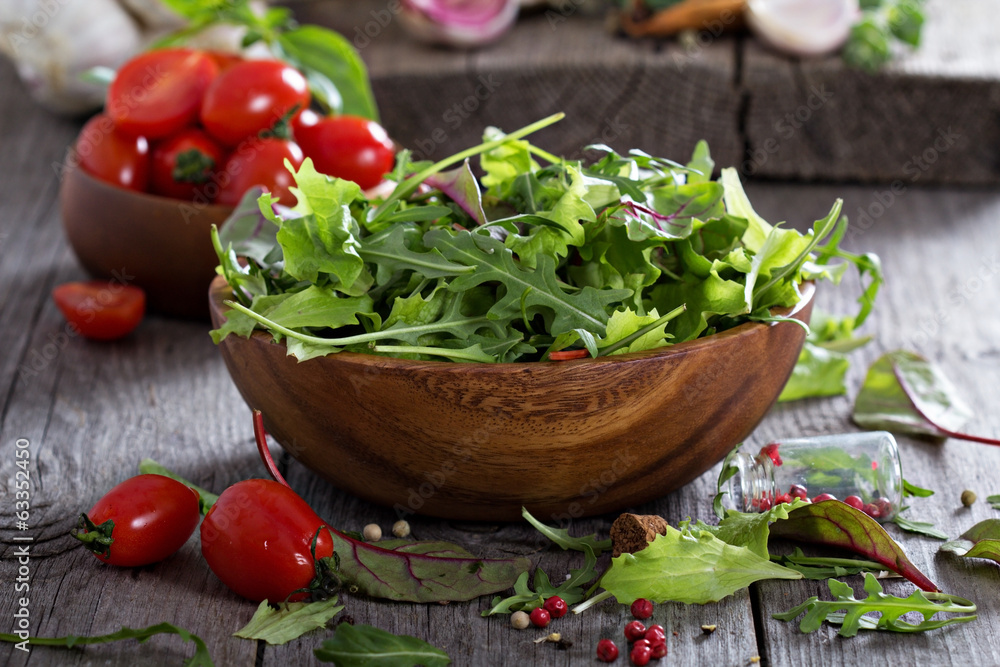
x,y
802,27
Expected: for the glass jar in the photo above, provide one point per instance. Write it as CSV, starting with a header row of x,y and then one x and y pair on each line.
x,y
860,469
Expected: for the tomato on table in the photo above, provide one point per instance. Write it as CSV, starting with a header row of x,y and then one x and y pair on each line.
x,y
113,156
250,97
224,60
261,162
183,163
258,539
348,147
100,309
159,92
141,521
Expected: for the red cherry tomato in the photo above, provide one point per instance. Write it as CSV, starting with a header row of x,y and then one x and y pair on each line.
x,y
260,162
257,539
100,309
141,521
223,59
159,92
251,96
348,147
113,156
184,163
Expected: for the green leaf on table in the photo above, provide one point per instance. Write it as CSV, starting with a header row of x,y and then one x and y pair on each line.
x,y
289,621
201,657
822,567
836,524
693,567
910,489
980,541
421,571
850,613
994,501
903,392
822,365
919,527
205,498
360,645
562,537
750,529
525,599
325,57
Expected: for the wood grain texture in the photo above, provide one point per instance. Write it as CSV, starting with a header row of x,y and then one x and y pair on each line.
x,y
481,441
92,411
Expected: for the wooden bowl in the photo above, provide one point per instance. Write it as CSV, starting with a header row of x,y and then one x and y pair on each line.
x,y
162,245
478,441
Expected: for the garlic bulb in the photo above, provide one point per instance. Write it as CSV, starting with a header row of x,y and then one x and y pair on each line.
x,y
460,23
53,41
802,27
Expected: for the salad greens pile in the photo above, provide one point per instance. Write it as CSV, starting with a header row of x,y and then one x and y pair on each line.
x,y
630,253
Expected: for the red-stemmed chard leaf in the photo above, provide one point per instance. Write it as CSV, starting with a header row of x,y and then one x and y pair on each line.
x,y
980,541
904,393
833,523
461,186
409,571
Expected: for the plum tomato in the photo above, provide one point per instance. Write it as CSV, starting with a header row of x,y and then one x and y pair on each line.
x,y
101,309
264,542
159,92
224,60
183,163
252,96
348,147
260,162
141,521
112,156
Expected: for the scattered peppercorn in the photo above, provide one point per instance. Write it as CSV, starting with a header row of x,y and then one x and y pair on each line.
x,y
642,609
854,501
539,617
708,629
968,497
372,533
520,620
556,607
655,633
607,650
635,630
798,491
640,655
824,496
658,650
401,529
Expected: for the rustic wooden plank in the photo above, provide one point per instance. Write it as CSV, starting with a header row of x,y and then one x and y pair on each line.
x,y
940,253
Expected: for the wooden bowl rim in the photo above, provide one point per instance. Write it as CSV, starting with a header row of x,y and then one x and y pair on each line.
x,y
91,181
220,290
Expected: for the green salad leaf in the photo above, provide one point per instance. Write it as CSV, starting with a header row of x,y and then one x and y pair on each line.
x,y
980,541
994,501
910,489
562,537
289,621
571,590
823,363
630,253
359,645
201,657
848,612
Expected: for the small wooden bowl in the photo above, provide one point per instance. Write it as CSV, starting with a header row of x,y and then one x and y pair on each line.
x,y
478,441
162,245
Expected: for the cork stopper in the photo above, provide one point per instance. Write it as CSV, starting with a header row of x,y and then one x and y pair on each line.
x,y
632,532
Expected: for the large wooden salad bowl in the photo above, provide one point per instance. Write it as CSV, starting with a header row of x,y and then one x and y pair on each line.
x,y
160,244
478,441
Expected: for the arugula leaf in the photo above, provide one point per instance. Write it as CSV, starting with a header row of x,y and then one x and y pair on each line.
x,y
562,537
904,392
824,568
201,657
883,21
834,523
289,621
910,489
889,607
359,645
693,567
994,501
980,541
571,590
919,527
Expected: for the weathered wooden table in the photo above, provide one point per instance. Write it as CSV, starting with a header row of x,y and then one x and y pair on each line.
x,y
91,411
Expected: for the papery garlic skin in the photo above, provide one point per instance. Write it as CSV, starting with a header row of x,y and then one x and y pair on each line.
x,y
803,27
459,23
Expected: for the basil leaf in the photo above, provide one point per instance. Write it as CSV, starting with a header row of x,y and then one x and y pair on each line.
x,y
289,621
